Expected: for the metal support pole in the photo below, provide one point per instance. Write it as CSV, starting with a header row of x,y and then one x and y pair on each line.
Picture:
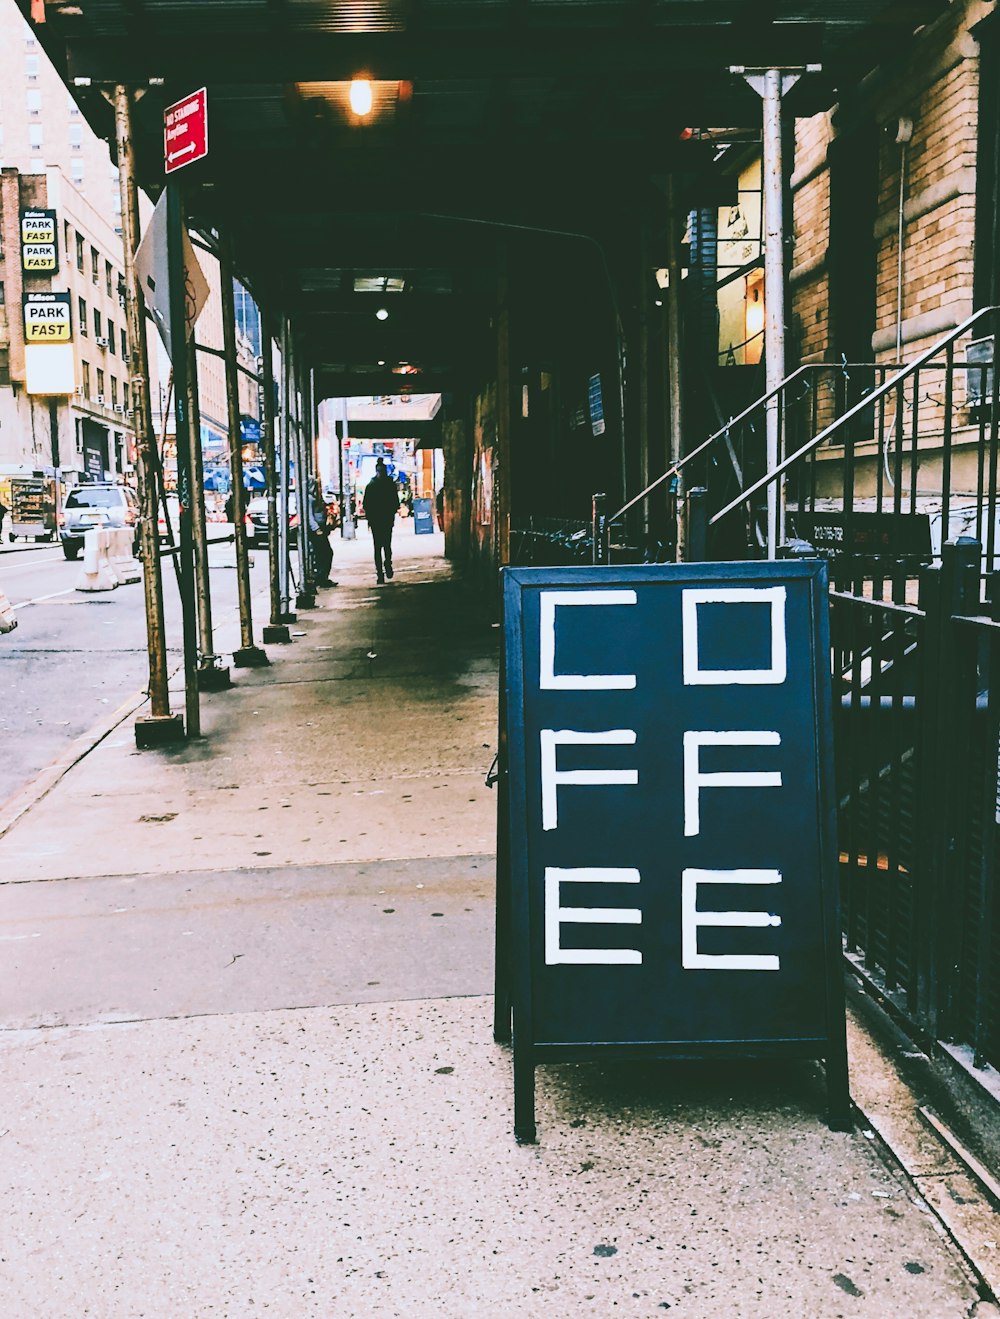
x,y
644,309
502,491
348,530
675,397
772,85
276,630
182,429
306,598
212,675
284,481
248,656
159,726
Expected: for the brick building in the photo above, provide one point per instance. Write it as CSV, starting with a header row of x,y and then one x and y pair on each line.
x,y
87,430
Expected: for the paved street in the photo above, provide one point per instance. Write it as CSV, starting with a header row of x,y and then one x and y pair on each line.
x,y
75,657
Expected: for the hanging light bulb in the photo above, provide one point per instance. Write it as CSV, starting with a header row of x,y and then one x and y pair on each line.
x,y
382,314
361,97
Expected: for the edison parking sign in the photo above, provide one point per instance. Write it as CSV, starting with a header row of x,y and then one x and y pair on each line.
x,y
48,318
670,812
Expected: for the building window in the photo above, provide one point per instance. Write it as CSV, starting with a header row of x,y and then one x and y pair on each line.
x,y
79,252
66,237
2,299
86,379
114,392
108,284
81,308
112,346
97,322
72,106
31,67
76,136
95,266
76,174
34,101
124,343
100,383
126,396
35,132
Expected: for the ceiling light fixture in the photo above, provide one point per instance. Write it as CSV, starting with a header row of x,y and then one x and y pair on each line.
x,y
361,97
382,314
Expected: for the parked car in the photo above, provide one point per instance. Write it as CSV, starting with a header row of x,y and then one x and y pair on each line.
x,y
256,520
89,506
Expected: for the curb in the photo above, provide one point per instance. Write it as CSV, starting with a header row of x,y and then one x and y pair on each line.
x,y
42,784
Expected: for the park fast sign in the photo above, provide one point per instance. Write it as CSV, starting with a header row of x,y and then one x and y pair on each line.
x,y
39,242
667,884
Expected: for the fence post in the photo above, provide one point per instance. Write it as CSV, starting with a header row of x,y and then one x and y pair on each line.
x,y
695,546
598,529
947,589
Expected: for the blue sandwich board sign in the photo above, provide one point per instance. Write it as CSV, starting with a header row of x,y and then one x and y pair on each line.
x,y
667,882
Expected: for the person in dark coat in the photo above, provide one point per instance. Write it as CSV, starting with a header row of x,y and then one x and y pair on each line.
x,y
381,502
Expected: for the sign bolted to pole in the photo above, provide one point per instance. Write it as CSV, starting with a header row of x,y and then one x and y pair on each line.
x,y
670,819
185,131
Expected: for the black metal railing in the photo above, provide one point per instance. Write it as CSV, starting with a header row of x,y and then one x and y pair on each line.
x,y
884,461
901,469
917,745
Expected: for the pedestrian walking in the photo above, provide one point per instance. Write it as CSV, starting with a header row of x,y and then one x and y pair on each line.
x,y
319,534
381,501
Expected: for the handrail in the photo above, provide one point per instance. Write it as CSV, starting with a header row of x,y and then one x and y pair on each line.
x,y
733,421
923,360
808,367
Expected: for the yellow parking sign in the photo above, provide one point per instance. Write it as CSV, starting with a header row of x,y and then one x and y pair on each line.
x,y
47,318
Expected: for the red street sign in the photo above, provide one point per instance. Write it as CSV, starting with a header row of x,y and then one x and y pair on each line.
x,y
185,131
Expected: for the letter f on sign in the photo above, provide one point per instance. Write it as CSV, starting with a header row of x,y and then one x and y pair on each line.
x,y
552,776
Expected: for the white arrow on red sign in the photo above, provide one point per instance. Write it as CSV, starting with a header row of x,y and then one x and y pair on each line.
x,y
185,131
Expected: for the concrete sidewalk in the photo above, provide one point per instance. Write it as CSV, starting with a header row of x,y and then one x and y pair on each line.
x,y
246,1063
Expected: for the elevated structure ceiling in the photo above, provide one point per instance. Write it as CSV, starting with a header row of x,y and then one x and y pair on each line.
x,y
561,115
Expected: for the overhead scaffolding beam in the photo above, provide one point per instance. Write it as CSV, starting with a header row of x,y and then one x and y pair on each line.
x,y
241,56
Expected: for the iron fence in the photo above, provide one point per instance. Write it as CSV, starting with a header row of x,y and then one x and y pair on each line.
x,y
917,750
